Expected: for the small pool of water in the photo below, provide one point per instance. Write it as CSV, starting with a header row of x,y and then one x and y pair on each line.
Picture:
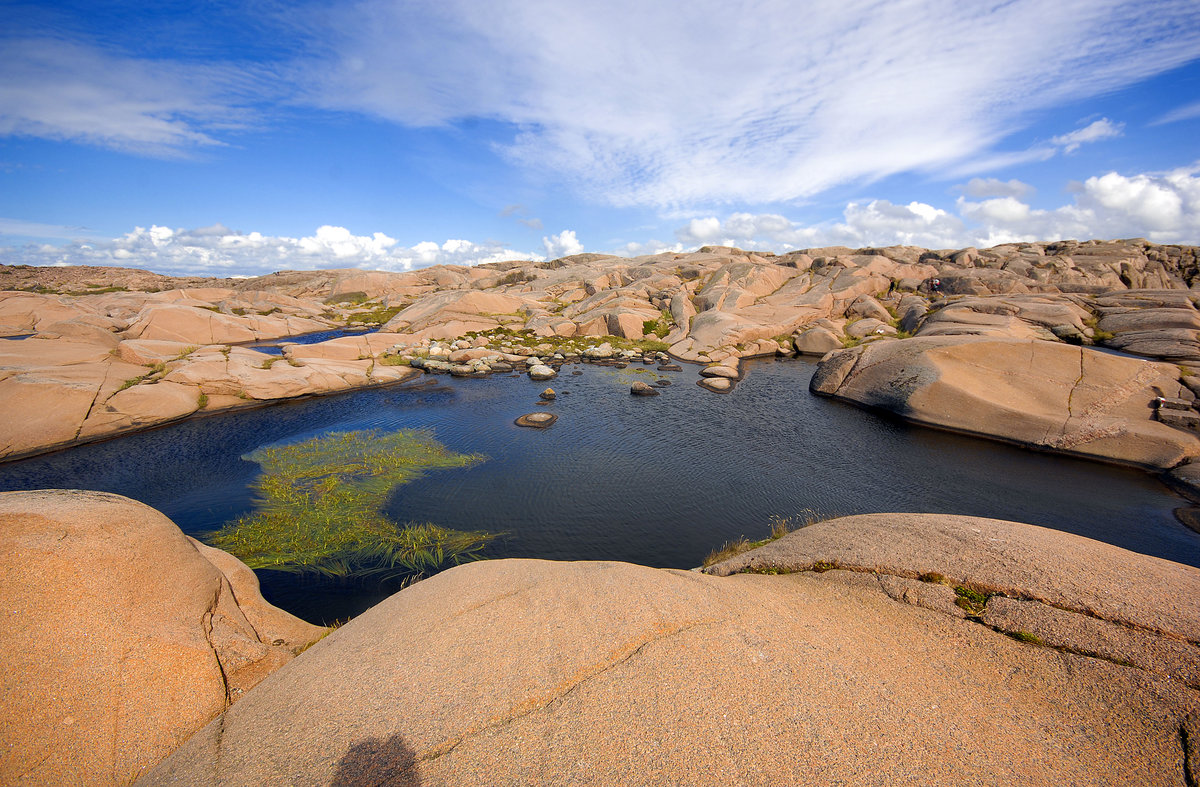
x,y
659,481
275,346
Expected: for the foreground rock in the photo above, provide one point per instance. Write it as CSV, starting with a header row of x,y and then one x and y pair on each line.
x,y
121,637
1046,395
529,672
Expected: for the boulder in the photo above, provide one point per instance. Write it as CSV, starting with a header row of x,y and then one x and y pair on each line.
x,y
548,394
868,326
640,388
122,637
817,341
865,306
720,370
538,672
1046,395
716,384
540,371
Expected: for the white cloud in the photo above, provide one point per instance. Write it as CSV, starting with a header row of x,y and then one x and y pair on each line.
x,y
1163,207
662,104
992,187
1093,132
217,251
874,223
647,248
564,244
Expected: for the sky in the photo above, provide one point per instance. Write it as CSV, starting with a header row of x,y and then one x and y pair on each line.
x,y
240,137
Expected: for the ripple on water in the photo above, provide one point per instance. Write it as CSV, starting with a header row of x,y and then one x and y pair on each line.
x,y
658,481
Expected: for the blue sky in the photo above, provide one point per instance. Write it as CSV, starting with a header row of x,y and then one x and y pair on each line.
x,y
234,138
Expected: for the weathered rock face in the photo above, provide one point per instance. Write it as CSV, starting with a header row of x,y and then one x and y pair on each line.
x,y
718,304
608,673
1068,399
121,637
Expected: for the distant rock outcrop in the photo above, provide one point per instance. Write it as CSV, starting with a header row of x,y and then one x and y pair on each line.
x,y
93,337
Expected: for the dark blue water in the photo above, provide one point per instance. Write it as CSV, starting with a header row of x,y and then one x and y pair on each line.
x,y
658,481
275,346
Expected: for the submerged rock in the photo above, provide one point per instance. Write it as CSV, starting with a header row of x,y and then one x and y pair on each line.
x,y
537,420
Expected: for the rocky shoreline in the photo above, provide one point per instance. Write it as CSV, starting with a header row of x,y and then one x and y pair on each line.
x,y
885,648
97,352
889,648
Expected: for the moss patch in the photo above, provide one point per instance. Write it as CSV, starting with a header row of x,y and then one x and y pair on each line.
x,y
318,509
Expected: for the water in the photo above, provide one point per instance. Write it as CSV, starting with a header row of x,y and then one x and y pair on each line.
x,y
275,346
658,481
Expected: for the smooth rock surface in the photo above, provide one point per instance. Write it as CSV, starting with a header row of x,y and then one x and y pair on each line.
x,y
1053,396
121,637
518,672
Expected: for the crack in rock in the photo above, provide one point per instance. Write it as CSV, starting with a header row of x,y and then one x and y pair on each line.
x,y
560,692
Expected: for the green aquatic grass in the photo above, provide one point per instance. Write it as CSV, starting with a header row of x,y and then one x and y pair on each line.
x,y
318,509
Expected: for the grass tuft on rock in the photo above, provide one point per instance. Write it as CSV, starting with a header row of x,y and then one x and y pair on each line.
x,y
318,509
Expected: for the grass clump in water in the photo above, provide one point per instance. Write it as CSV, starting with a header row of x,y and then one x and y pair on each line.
x,y
780,527
318,509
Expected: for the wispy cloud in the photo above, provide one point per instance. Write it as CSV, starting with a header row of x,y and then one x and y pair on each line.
x,y
218,251
1185,112
668,105
34,229
1093,132
671,105
57,89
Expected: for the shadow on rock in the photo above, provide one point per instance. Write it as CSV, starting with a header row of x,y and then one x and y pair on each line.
x,y
375,761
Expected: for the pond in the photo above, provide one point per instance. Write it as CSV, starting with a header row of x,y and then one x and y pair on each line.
x,y
659,481
275,346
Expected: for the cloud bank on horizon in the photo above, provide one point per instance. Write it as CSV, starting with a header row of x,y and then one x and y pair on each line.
x,y
626,127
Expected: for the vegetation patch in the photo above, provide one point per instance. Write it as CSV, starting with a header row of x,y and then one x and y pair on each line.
x,y
132,381
660,327
376,316
353,298
973,601
1025,636
517,277
96,289
318,509
780,527
1097,334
